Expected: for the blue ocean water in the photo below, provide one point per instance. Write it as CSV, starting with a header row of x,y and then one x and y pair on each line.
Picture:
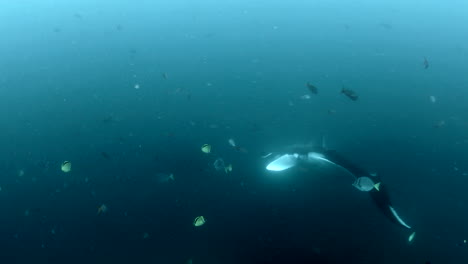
x,y
128,91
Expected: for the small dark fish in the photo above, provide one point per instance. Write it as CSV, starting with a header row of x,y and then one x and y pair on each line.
x,y
349,93
462,243
240,149
426,63
169,134
386,26
121,140
439,124
165,76
105,155
209,35
254,127
109,119
312,88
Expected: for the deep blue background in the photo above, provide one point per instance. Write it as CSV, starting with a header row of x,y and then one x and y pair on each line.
x,y
208,71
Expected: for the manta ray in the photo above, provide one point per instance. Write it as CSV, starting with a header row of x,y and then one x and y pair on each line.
x,y
363,180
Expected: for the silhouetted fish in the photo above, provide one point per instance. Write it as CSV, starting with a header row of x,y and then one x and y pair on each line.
x,y
349,93
386,26
105,155
109,119
426,63
312,88
439,124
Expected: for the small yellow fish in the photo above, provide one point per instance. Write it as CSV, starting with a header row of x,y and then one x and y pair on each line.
x,y
199,221
377,186
102,209
66,166
206,148
228,168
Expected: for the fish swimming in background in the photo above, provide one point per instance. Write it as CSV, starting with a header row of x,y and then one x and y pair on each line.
x,y
164,177
232,142
462,243
105,155
312,88
386,26
110,119
349,93
236,147
206,148
102,209
439,124
426,63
